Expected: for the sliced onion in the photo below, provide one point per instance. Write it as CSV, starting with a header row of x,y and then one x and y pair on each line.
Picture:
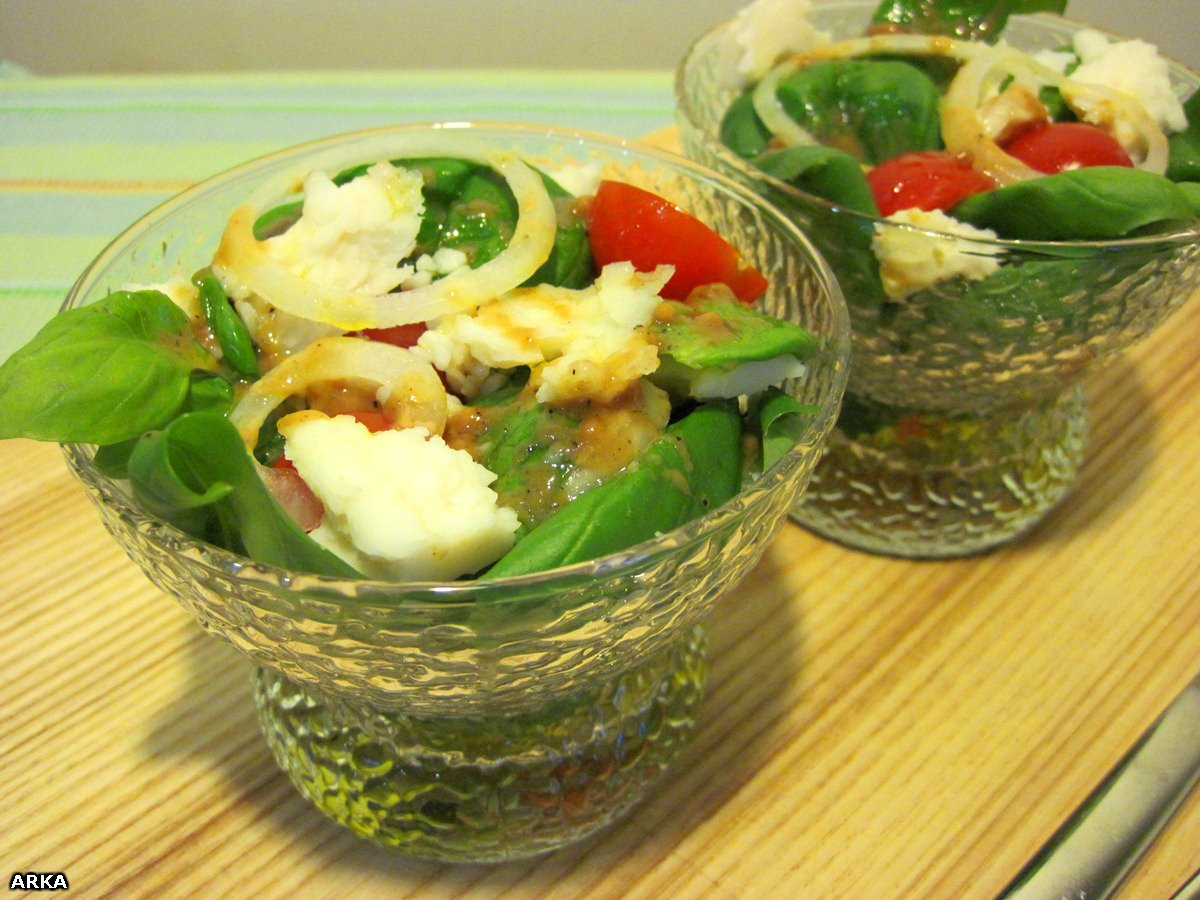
x,y
766,104
1122,117
898,44
245,267
412,393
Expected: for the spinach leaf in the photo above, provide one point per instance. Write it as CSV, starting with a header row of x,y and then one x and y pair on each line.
x,y
1184,161
823,172
871,109
1084,204
196,474
969,20
570,262
742,131
226,325
780,419
102,373
695,467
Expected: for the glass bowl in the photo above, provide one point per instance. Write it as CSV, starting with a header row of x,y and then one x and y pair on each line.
x,y
496,719
1011,346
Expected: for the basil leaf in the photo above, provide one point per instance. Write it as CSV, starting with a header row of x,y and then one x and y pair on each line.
x,y
969,20
823,172
102,373
742,131
196,474
570,262
1084,204
781,420
1184,160
871,109
695,467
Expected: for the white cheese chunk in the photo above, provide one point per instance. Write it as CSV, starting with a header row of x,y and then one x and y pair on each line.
x,y
1134,68
910,261
399,504
587,344
351,238
578,179
179,290
767,29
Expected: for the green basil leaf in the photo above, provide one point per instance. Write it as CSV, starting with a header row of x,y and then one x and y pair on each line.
x,y
742,131
969,20
196,474
1184,161
823,172
1084,204
570,262
695,467
781,420
210,392
102,373
871,109
226,325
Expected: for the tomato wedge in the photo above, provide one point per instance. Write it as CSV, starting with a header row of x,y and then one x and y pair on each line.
x,y
626,223
928,180
1056,146
404,336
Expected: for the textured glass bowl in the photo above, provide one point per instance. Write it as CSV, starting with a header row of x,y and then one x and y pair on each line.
x,y
498,719
999,349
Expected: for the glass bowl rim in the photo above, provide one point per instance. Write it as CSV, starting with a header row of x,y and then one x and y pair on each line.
x,y
445,595
684,107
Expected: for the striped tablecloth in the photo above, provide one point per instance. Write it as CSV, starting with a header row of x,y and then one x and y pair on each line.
x,y
81,158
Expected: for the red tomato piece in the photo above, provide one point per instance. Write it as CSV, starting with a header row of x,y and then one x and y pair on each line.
x,y
928,180
293,494
374,419
626,223
398,335
1057,146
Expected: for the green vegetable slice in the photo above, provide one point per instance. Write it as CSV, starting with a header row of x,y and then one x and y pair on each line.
x,y
970,20
102,373
226,325
1084,204
870,109
742,131
695,467
196,474
721,333
781,420
823,172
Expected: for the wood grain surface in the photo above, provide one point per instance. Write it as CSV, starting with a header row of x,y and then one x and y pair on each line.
x,y
873,727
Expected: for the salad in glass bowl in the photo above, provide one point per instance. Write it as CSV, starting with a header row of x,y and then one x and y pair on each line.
x,y
1007,199
457,432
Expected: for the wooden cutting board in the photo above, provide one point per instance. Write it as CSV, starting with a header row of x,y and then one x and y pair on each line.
x,y
873,728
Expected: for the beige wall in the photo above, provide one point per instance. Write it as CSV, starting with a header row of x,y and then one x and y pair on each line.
x,y
64,36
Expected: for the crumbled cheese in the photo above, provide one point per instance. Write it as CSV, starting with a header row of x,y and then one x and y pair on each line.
x,y
352,238
746,379
445,261
399,504
582,344
1134,68
578,179
910,261
767,29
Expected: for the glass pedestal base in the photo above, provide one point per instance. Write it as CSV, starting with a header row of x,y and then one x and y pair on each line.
x,y
928,485
488,787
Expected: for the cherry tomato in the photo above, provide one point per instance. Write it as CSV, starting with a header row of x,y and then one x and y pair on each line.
x,y
929,180
398,335
627,223
293,494
374,419
1056,146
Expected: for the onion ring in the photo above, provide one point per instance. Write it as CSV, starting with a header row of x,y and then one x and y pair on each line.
x,y
415,394
244,265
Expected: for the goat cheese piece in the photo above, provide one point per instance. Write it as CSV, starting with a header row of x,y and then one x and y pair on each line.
x,y
767,29
399,504
587,344
910,261
1131,67
352,238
